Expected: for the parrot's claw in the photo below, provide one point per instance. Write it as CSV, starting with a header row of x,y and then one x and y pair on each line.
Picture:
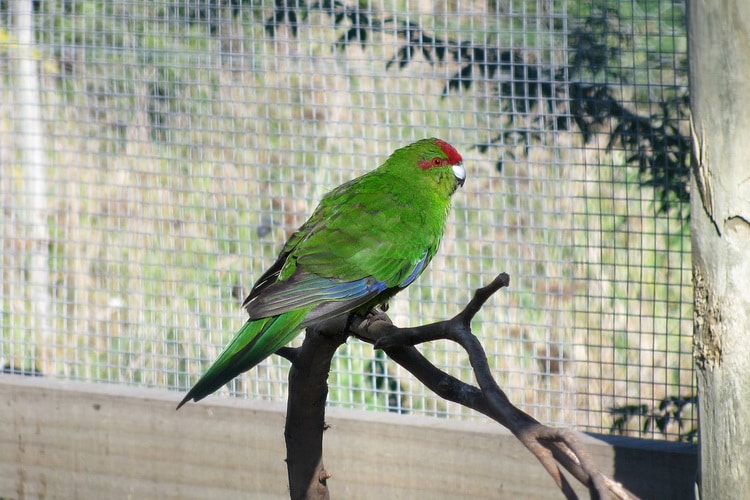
x,y
362,322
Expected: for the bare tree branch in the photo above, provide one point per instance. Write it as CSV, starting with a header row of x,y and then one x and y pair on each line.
x,y
305,416
553,447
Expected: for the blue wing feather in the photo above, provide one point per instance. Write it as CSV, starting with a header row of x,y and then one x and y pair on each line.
x,y
415,272
307,289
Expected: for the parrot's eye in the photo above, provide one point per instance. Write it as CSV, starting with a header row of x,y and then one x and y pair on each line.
x,y
435,162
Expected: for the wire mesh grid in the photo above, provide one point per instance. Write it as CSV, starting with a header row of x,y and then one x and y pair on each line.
x,y
156,155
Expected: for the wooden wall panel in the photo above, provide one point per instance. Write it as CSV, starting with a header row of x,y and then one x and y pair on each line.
x,y
77,440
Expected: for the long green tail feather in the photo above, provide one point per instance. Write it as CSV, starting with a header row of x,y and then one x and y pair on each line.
x,y
253,343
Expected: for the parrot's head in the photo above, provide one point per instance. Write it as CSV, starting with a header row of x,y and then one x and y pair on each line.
x,y
432,161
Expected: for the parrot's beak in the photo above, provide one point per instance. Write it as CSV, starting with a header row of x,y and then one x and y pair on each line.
x,y
460,172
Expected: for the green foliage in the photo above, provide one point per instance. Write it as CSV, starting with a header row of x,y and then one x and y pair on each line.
x,y
662,418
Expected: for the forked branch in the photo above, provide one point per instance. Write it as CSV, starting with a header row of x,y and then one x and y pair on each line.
x,y
553,447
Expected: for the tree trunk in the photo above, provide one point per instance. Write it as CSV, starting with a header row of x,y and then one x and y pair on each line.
x,y
719,83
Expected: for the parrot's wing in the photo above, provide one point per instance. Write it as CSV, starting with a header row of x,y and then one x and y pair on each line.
x,y
305,289
351,253
327,297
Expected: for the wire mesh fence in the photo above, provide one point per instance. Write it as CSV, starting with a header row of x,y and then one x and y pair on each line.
x,y
156,155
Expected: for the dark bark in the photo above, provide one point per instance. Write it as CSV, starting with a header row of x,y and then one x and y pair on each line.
x,y
554,448
305,416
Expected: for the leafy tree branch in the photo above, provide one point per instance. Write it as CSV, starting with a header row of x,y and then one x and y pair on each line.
x,y
581,96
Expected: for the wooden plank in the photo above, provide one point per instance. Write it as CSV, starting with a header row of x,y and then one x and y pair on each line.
x,y
78,440
71,440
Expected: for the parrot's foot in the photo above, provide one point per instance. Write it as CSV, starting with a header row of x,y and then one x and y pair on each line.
x,y
358,323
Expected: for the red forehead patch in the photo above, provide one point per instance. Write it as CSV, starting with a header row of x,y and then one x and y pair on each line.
x,y
453,156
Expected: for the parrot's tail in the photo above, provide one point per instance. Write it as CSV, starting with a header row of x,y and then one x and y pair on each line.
x,y
253,343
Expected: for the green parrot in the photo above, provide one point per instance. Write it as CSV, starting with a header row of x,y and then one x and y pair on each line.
x,y
368,239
